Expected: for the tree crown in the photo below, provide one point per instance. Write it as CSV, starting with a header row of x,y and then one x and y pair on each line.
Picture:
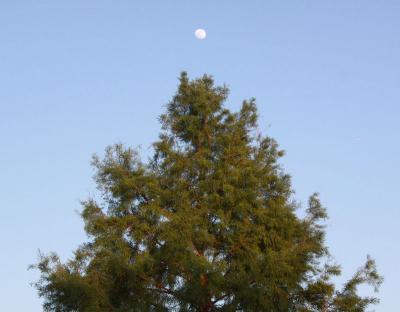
x,y
208,224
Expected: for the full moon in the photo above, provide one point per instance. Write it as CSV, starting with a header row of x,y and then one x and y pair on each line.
x,y
200,34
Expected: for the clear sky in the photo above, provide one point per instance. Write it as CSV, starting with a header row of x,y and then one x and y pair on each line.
x,y
76,76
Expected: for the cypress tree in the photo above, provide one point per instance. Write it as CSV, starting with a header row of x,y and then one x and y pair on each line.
x,y
209,223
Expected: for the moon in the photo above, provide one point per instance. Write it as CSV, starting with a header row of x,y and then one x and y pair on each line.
x,y
200,34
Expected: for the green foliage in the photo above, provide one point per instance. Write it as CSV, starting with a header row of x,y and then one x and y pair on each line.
x,y
208,224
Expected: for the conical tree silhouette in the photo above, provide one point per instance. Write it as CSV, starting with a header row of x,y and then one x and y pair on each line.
x,y
208,224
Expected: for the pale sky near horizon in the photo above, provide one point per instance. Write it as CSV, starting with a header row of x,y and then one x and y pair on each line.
x,y
76,76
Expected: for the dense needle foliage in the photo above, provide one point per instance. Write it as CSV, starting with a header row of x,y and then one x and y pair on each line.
x,y
208,224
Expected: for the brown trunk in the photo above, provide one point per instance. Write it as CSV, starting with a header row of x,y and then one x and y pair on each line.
x,y
207,307
325,306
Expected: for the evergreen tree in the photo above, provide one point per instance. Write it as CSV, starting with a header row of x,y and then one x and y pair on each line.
x,y
207,224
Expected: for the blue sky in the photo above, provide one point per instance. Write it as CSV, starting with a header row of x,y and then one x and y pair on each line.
x,y
76,76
